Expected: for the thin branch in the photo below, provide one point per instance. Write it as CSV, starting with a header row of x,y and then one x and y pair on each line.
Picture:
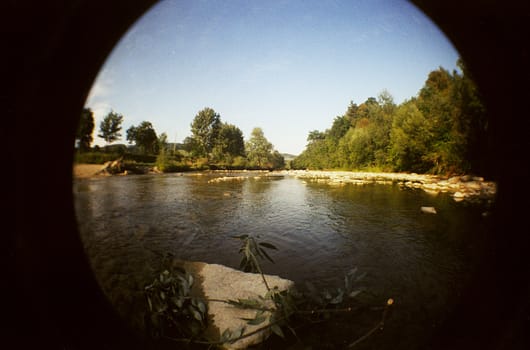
x,y
231,341
379,326
321,311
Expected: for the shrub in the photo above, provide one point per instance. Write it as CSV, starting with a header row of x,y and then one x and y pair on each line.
x,y
95,157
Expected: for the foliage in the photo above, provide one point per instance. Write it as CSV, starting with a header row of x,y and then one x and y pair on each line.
x,y
173,314
172,311
95,157
443,130
110,127
261,153
228,144
253,251
205,130
85,129
169,164
144,136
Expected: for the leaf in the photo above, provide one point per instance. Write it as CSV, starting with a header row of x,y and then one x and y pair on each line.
x,y
227,334
239,332
266,255
352,272
162,295
339,298
256,320
190,280
243,262
363,275
196,314
201,306
354,293
245,303
268,245
150,304
277,330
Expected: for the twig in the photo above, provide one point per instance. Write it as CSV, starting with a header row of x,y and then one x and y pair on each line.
x,y
321,311
379,326
219,342
258,267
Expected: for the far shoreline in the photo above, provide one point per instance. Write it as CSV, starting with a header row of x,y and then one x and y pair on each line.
x,y
465,187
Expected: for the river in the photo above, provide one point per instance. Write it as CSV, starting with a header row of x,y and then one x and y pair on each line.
x,y
422,261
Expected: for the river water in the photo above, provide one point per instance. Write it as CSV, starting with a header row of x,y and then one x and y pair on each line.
x,y
422,261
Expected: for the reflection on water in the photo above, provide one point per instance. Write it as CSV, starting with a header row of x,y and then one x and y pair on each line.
x,y
422,261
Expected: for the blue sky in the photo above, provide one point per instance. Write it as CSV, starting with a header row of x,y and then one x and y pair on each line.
x,y
288,67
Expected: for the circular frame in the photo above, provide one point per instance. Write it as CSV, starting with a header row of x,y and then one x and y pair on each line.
x,y
56,49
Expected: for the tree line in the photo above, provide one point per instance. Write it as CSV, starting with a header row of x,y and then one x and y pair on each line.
x,y
441,130
212,144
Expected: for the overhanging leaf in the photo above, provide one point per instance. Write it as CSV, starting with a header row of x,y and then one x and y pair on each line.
x,y
268,245
257,320
240,237
354,293
277,330
266,255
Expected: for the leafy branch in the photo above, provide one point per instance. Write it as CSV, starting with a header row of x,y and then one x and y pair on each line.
x,y
253,250
177,316
171,308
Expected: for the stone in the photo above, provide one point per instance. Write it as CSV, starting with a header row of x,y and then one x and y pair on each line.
x,y
466,178
428,210
459,194
454,180
216,282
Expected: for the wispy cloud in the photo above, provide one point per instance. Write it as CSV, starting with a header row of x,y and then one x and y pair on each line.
x,y
99,100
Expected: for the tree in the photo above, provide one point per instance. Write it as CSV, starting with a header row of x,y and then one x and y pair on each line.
x,y
258,149
277,160
229,143
410,138
315,136
162,142
85,129
144,136
110,127
205,129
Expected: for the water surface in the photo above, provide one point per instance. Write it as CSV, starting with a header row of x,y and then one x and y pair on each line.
x,y
422,261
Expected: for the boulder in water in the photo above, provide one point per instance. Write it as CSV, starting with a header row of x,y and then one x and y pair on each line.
x,y
428,210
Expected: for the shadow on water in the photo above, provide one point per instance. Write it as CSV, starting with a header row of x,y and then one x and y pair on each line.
x,y
422,261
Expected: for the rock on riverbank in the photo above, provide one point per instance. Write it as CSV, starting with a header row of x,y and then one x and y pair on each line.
x,y
217,282
460,187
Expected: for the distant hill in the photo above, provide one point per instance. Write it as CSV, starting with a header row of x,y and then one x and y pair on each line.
x,y
288,156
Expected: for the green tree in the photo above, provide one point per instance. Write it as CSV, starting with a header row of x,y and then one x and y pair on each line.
x,y
110,127
85,129
229,144
471,122
205,130
258,149
144,136
277,160
357,149
162,141
410,138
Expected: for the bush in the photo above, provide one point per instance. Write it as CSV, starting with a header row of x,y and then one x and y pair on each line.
x,y
95,157
141,158
168,164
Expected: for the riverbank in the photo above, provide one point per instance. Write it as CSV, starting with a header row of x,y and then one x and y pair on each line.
x,y
83,171
465,187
